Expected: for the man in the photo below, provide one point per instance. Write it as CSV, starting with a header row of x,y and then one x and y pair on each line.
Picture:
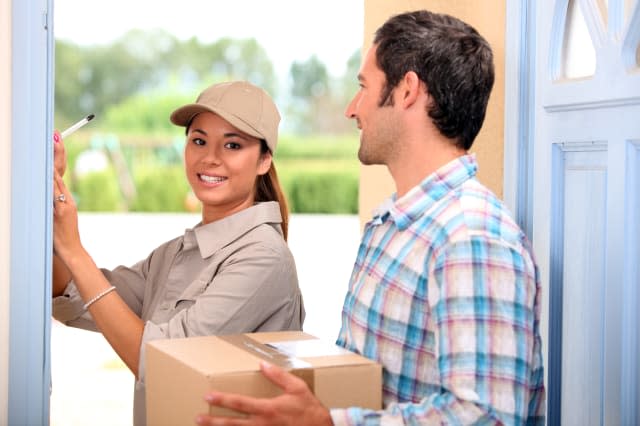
x,y
445,291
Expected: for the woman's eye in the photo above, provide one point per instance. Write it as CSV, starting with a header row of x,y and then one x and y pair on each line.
x,y
199,141
232,145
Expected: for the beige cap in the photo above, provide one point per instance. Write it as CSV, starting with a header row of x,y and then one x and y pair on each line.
x,y
247,107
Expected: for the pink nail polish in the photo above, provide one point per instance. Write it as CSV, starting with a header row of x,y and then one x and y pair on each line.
x,y
56,138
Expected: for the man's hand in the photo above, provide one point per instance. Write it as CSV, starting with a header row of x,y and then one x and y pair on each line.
x,y
296,406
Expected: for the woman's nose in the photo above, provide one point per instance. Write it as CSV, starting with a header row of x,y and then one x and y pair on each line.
x,y
211,155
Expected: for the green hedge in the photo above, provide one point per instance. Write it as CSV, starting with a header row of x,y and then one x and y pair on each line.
x,y
323,192
160,189
98,192
326,147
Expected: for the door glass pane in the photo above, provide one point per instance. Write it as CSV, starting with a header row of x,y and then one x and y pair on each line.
x,y
579,55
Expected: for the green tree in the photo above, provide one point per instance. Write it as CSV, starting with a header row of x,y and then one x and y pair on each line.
x,y
309,92
310,79
346,88
92,79
349,81
318,101
195,64
244,59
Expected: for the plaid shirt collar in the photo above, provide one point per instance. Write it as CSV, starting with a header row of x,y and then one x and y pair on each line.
x,y
413,204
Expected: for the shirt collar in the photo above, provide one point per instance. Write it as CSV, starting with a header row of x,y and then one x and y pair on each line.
x,y
216,235
413,204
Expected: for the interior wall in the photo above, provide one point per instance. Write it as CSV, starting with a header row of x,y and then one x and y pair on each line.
x,y
5,198
488,17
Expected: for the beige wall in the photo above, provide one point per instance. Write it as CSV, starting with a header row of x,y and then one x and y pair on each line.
x,y
5,189
488,17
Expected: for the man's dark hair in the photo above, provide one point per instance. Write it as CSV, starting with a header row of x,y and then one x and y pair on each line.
x,y
450,57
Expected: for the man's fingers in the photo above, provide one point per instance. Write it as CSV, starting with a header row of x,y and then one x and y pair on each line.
x,y
262,411
206,420
240,403
284,380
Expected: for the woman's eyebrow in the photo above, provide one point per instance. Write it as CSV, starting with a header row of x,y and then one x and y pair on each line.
x,y
199,131
234,134
226,135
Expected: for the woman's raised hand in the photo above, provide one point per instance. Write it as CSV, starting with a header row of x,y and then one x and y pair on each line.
x,y
59,154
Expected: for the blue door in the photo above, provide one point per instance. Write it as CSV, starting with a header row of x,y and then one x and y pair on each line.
x,y
583,196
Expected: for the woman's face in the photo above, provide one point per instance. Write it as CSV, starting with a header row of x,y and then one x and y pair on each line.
x,y
222,164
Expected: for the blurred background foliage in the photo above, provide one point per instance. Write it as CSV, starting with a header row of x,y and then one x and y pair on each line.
x,y
130,157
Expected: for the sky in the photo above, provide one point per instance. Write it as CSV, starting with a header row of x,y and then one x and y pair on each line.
x,y
289,30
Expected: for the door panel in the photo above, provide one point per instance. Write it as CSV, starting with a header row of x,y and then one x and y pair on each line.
x,y
585,161
631,303
582,172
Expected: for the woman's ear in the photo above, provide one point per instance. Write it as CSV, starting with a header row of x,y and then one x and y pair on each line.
x,y
265,163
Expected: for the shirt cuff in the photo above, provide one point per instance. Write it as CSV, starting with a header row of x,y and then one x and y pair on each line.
x,y
339,417
347,416
151,332
69,306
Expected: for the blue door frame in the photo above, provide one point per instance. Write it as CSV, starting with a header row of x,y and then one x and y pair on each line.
x,y
31,201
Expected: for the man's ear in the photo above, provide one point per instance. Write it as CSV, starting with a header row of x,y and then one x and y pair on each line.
x,y
411,89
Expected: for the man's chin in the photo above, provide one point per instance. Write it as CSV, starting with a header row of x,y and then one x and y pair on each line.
x,y
367,160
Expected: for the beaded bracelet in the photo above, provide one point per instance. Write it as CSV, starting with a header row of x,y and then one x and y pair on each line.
x,y
98,297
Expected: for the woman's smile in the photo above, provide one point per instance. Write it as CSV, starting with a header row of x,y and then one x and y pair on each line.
x,y
211,179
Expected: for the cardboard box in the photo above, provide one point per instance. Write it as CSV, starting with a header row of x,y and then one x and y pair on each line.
x,y
179,372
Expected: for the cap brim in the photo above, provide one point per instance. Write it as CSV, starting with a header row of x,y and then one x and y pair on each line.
x,y
184,115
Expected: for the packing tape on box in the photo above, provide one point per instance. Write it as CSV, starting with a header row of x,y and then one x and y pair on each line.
x,y
271,354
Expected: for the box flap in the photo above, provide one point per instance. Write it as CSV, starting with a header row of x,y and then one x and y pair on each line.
x,y
209,355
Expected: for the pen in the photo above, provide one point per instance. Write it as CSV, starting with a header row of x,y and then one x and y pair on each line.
x,y
76,126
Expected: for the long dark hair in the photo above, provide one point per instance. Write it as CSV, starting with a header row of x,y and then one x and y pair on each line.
x,y
268,189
